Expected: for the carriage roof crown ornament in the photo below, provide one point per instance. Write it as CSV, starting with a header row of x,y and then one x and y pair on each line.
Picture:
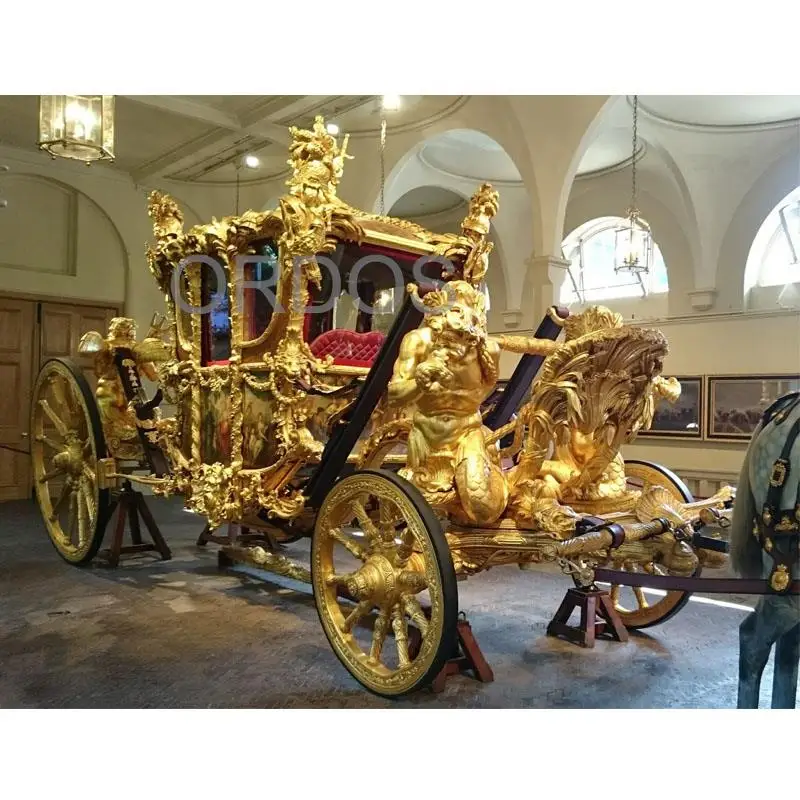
x,y
316,160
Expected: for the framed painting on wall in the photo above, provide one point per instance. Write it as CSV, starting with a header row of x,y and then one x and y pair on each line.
x,y
736,403
684,418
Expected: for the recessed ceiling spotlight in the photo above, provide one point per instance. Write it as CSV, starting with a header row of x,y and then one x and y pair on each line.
x,y
332,128
251,161
391,102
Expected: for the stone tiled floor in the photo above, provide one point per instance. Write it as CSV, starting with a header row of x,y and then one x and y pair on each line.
x,y
183,634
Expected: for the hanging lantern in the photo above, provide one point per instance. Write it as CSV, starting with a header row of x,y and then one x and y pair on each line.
x,y
78,127
633,243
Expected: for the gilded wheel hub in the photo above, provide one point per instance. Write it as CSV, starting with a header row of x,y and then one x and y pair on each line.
x,y
376,581
70,460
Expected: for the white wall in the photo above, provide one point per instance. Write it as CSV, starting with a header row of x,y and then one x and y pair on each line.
x,y
54,240
754,344
72,231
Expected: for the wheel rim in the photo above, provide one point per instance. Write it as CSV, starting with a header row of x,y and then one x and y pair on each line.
x,y
376,559
65,446
631,602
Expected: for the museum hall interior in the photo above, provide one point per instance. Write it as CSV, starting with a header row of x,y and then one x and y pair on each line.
x,y
399,401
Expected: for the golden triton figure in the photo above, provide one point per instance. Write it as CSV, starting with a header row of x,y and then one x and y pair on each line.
x,y
446,369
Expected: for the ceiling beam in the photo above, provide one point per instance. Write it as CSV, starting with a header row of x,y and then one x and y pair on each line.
x,y
256,124
188,108
229,124
176,160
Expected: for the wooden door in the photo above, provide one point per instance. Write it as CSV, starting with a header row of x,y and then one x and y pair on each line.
x,y
30,333
17,330
61,328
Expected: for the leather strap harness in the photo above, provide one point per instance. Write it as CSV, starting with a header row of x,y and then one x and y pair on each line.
x,y
777,529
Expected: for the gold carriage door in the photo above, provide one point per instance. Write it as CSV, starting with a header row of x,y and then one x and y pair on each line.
x,y
16,368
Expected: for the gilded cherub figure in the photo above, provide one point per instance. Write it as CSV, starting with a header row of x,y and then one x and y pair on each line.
x,y
117,417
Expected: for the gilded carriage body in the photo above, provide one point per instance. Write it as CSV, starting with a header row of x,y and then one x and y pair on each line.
x,y
387,445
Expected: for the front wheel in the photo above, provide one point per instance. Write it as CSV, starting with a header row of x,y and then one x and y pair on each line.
x,y
378,543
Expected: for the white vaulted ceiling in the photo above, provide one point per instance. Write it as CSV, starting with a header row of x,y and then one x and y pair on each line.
x,y
201,138
722,110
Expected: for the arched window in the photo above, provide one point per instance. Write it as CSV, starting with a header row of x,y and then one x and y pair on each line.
x,y
774,258
591,275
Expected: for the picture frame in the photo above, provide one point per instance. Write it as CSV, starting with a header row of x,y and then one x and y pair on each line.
x,y
737,402
683,419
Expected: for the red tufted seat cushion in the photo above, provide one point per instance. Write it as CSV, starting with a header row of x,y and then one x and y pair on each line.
x,y
348,348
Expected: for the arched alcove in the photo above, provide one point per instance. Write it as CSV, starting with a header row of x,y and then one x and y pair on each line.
x,y
459,160
773,261
56,240
592,276
604,162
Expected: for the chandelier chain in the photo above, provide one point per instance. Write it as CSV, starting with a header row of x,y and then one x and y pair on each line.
x,y
635,144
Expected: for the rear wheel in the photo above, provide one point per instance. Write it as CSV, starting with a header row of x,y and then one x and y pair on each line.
x,y
378,543
66,444
637,607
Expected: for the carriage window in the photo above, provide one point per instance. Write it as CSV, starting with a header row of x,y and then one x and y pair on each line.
x,y
384,307
257,301
373,310
346,312
216,322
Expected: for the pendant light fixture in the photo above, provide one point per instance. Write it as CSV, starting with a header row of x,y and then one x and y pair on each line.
x,y
79,127
633,243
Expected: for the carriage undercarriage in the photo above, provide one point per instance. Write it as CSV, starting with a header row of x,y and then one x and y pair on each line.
x,y
401,478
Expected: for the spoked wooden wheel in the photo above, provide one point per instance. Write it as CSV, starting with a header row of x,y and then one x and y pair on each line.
x,y
66,443
637,607
378,544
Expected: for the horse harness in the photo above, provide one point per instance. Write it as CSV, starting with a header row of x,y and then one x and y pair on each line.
x,y
777,525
